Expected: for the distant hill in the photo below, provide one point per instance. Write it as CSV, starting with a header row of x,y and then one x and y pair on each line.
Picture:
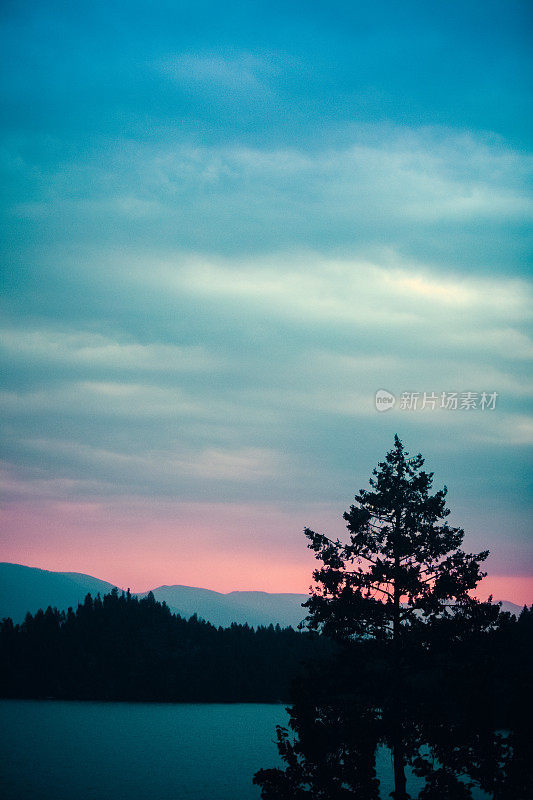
x,y
24,589
512,608
255,608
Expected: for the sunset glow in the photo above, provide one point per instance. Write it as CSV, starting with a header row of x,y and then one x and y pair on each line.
x,y
224,233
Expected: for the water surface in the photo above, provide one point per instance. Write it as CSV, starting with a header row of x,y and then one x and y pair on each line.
x,y
60,750
125,751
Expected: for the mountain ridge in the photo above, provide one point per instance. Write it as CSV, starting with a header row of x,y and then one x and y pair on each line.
x,y
24,589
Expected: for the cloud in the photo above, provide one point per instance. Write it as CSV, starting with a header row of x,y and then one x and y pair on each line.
x,y
107,399
515,429
453,200
277,398
220,241
313,287
238,72
95,351
86,470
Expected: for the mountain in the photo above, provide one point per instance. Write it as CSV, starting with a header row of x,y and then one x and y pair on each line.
x,y
25,589
255,608
512,608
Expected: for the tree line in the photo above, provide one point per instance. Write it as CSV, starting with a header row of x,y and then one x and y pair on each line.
x,y
119,647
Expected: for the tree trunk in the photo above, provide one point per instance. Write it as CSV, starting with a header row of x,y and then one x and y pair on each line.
x,y
398,754
400,783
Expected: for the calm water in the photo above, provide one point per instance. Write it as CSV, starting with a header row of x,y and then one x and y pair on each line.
x,y
132,751
125,751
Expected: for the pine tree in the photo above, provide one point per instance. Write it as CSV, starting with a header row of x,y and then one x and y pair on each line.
x,y
402,564
400,570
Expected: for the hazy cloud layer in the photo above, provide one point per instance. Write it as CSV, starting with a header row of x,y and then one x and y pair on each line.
x,y
220,240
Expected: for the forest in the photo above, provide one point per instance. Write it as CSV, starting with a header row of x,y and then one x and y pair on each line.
x,y
119,647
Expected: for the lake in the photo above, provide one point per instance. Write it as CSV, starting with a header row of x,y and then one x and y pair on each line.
x,y
54,750
90,751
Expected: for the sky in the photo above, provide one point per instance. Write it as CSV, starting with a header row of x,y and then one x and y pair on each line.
x,y
225,227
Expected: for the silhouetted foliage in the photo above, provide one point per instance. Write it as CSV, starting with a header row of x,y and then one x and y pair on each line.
x,y
423,669
402,564
466,710
121,648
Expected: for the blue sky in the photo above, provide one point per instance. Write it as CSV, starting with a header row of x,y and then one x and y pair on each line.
x,y
225,226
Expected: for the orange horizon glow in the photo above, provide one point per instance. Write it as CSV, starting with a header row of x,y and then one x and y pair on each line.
x,y
221,547
246,575
514,588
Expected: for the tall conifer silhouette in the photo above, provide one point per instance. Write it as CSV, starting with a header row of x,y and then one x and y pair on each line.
x,y
400,569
